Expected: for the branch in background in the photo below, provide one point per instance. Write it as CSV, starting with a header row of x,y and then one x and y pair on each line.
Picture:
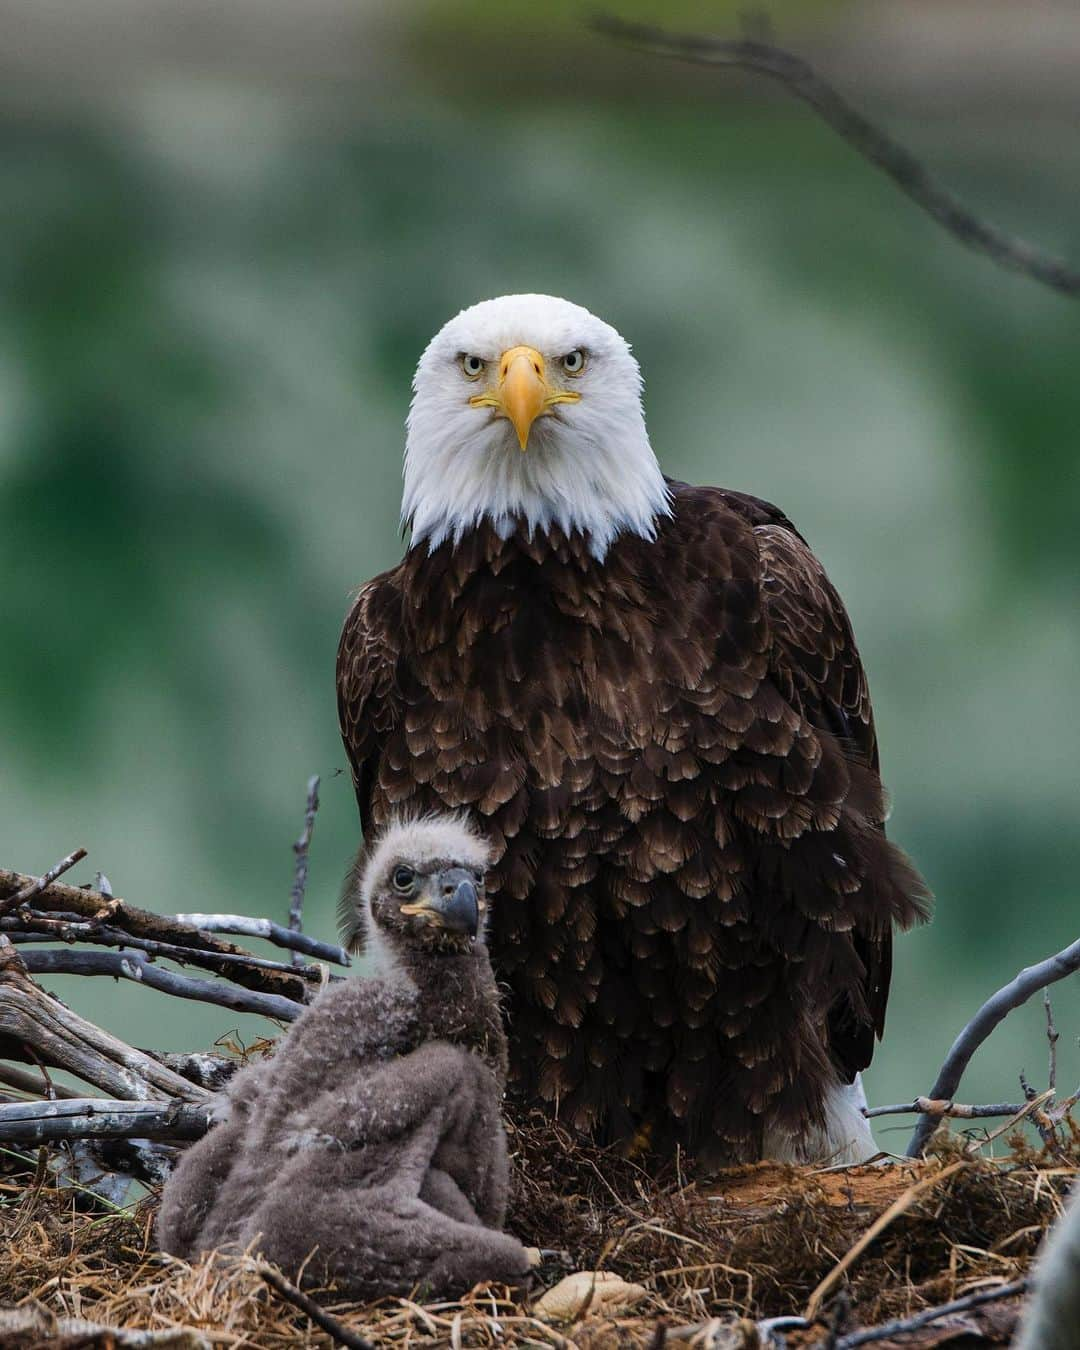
x,y
35,887
907,172
938,1109
63,1039
907,1324
243,925
134,966
101,908
994,1010
96,1117
300,848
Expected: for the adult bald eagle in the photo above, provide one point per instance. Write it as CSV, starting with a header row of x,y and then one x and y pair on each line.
x,y
650,696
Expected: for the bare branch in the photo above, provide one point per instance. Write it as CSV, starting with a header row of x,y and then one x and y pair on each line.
x,y
134,966
32,1324
116,913
899,164
244,925
37,928
333,1326
35,887
60,1037
97,1117
26,1082
1063,1108
938,1109
1052,1035
300,848
928,1315
207,1070
1029,981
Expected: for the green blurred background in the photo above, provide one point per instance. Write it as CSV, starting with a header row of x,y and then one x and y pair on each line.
x,y
228,232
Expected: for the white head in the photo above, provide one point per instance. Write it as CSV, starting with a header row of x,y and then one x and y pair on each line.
x,y
528,409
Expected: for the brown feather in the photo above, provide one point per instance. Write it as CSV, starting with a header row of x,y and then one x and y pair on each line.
x,y
673,751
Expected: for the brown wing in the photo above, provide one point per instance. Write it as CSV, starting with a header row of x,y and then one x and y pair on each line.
x,y
368,699
817,666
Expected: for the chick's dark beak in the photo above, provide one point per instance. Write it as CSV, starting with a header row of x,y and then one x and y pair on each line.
x,y
456,902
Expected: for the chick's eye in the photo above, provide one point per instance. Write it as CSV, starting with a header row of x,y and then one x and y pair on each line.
x,y
473,366
404,878
574,362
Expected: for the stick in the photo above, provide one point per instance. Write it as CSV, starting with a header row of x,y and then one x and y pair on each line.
x,y
1052,1034
96,906
1029,1108
134,966
994,1010
33,929
32,887
96,1117
1063,1108
26,1082
207,1070
929,1315
32,1324
331,1325
300,848
60,1037
244,925
898,1207
879,149
937,1109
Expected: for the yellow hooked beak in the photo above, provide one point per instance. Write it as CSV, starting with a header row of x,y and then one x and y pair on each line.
x,y
523,392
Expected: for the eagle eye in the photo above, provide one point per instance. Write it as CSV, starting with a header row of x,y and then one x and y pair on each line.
x,y
472,366
574,362
403,878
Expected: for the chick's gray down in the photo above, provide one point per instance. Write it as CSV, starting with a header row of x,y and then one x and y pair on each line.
x,y
373,1136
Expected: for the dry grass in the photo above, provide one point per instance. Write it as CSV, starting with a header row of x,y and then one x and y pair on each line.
x,y
752,1243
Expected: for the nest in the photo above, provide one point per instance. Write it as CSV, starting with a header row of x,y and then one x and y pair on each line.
x,y
684,1262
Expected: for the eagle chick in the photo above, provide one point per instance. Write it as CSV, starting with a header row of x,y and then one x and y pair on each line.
x,y
372,1137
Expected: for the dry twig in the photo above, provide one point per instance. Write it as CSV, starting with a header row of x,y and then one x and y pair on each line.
x,y
996,1008
1052,1035
35,886
33,928
331,1325
938,1109
300,848
908,1324
136,967
97,907
898,1207
899,164
244,925
60,1037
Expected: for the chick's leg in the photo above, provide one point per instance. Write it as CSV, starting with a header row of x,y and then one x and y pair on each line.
x,y
194,1188
441,1192
369,1243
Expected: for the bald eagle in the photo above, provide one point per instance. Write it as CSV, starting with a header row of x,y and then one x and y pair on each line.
x,y
650,697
